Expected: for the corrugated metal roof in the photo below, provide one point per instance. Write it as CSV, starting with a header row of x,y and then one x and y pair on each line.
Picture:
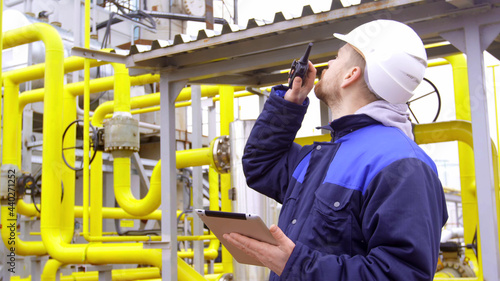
x,y
253,54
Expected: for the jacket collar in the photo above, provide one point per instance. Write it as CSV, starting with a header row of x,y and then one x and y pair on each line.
x,y
348,124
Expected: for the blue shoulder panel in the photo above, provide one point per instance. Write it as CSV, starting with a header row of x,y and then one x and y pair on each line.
x,y
300,172
365,152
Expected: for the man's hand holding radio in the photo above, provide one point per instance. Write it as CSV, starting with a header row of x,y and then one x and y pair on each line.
x,y
299,91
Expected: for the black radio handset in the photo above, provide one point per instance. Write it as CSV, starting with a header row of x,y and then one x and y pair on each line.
x,y
299,67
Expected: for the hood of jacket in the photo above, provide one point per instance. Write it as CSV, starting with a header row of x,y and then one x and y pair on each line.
x,y
390,115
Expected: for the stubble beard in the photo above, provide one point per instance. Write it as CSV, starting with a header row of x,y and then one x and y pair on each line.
x,y
330,97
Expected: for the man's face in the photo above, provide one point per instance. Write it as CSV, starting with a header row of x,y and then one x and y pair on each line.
x,y
328,87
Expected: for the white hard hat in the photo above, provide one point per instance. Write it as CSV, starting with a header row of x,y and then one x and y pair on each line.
x,y
395,58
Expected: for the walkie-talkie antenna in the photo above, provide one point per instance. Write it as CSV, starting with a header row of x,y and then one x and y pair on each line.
x,y
305,57
299,68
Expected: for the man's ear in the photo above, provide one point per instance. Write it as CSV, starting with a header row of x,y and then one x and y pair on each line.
x,y
350,77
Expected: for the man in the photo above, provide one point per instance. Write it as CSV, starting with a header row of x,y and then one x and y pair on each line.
x,y
368,205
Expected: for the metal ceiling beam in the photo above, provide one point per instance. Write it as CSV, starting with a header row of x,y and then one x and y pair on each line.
x,y
257,51
147,58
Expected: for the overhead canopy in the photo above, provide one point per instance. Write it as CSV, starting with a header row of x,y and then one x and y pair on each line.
x,y
255,54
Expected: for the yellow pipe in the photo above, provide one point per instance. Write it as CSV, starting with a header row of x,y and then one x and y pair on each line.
x,y
1,52
196,238
214,277
466,161
52,234
96,212
37,71
186,273
438,63
124,197
50,270
12,241
53,56
216,98
193,157
107,83
67,174
121,88
218,268
226,117
86,123
213,192
142,110
122,104
151,100
121,165
128,274
177,105
11,141
29,210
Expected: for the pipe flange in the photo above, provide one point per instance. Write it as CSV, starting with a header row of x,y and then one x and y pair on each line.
x,y
121,136
227,277
221,154
457,268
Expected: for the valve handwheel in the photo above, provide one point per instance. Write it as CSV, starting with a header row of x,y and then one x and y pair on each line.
x,y
424,94
94,142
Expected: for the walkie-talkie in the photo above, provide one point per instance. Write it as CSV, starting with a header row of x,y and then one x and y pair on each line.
x,y
299,67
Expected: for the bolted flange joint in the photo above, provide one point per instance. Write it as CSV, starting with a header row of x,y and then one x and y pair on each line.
x,y
121,135
221,154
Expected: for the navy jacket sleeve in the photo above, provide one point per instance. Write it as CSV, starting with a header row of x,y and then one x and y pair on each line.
x,y
270,151
401,219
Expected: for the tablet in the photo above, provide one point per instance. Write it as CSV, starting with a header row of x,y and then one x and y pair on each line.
x,y
250,225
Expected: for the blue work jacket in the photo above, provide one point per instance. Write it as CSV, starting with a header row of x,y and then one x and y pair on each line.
x,y
366,206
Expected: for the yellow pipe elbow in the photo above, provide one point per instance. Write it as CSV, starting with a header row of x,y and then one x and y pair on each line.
x,y
26,209
50,270
12,241
443,132
152,200
124,196
186,273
